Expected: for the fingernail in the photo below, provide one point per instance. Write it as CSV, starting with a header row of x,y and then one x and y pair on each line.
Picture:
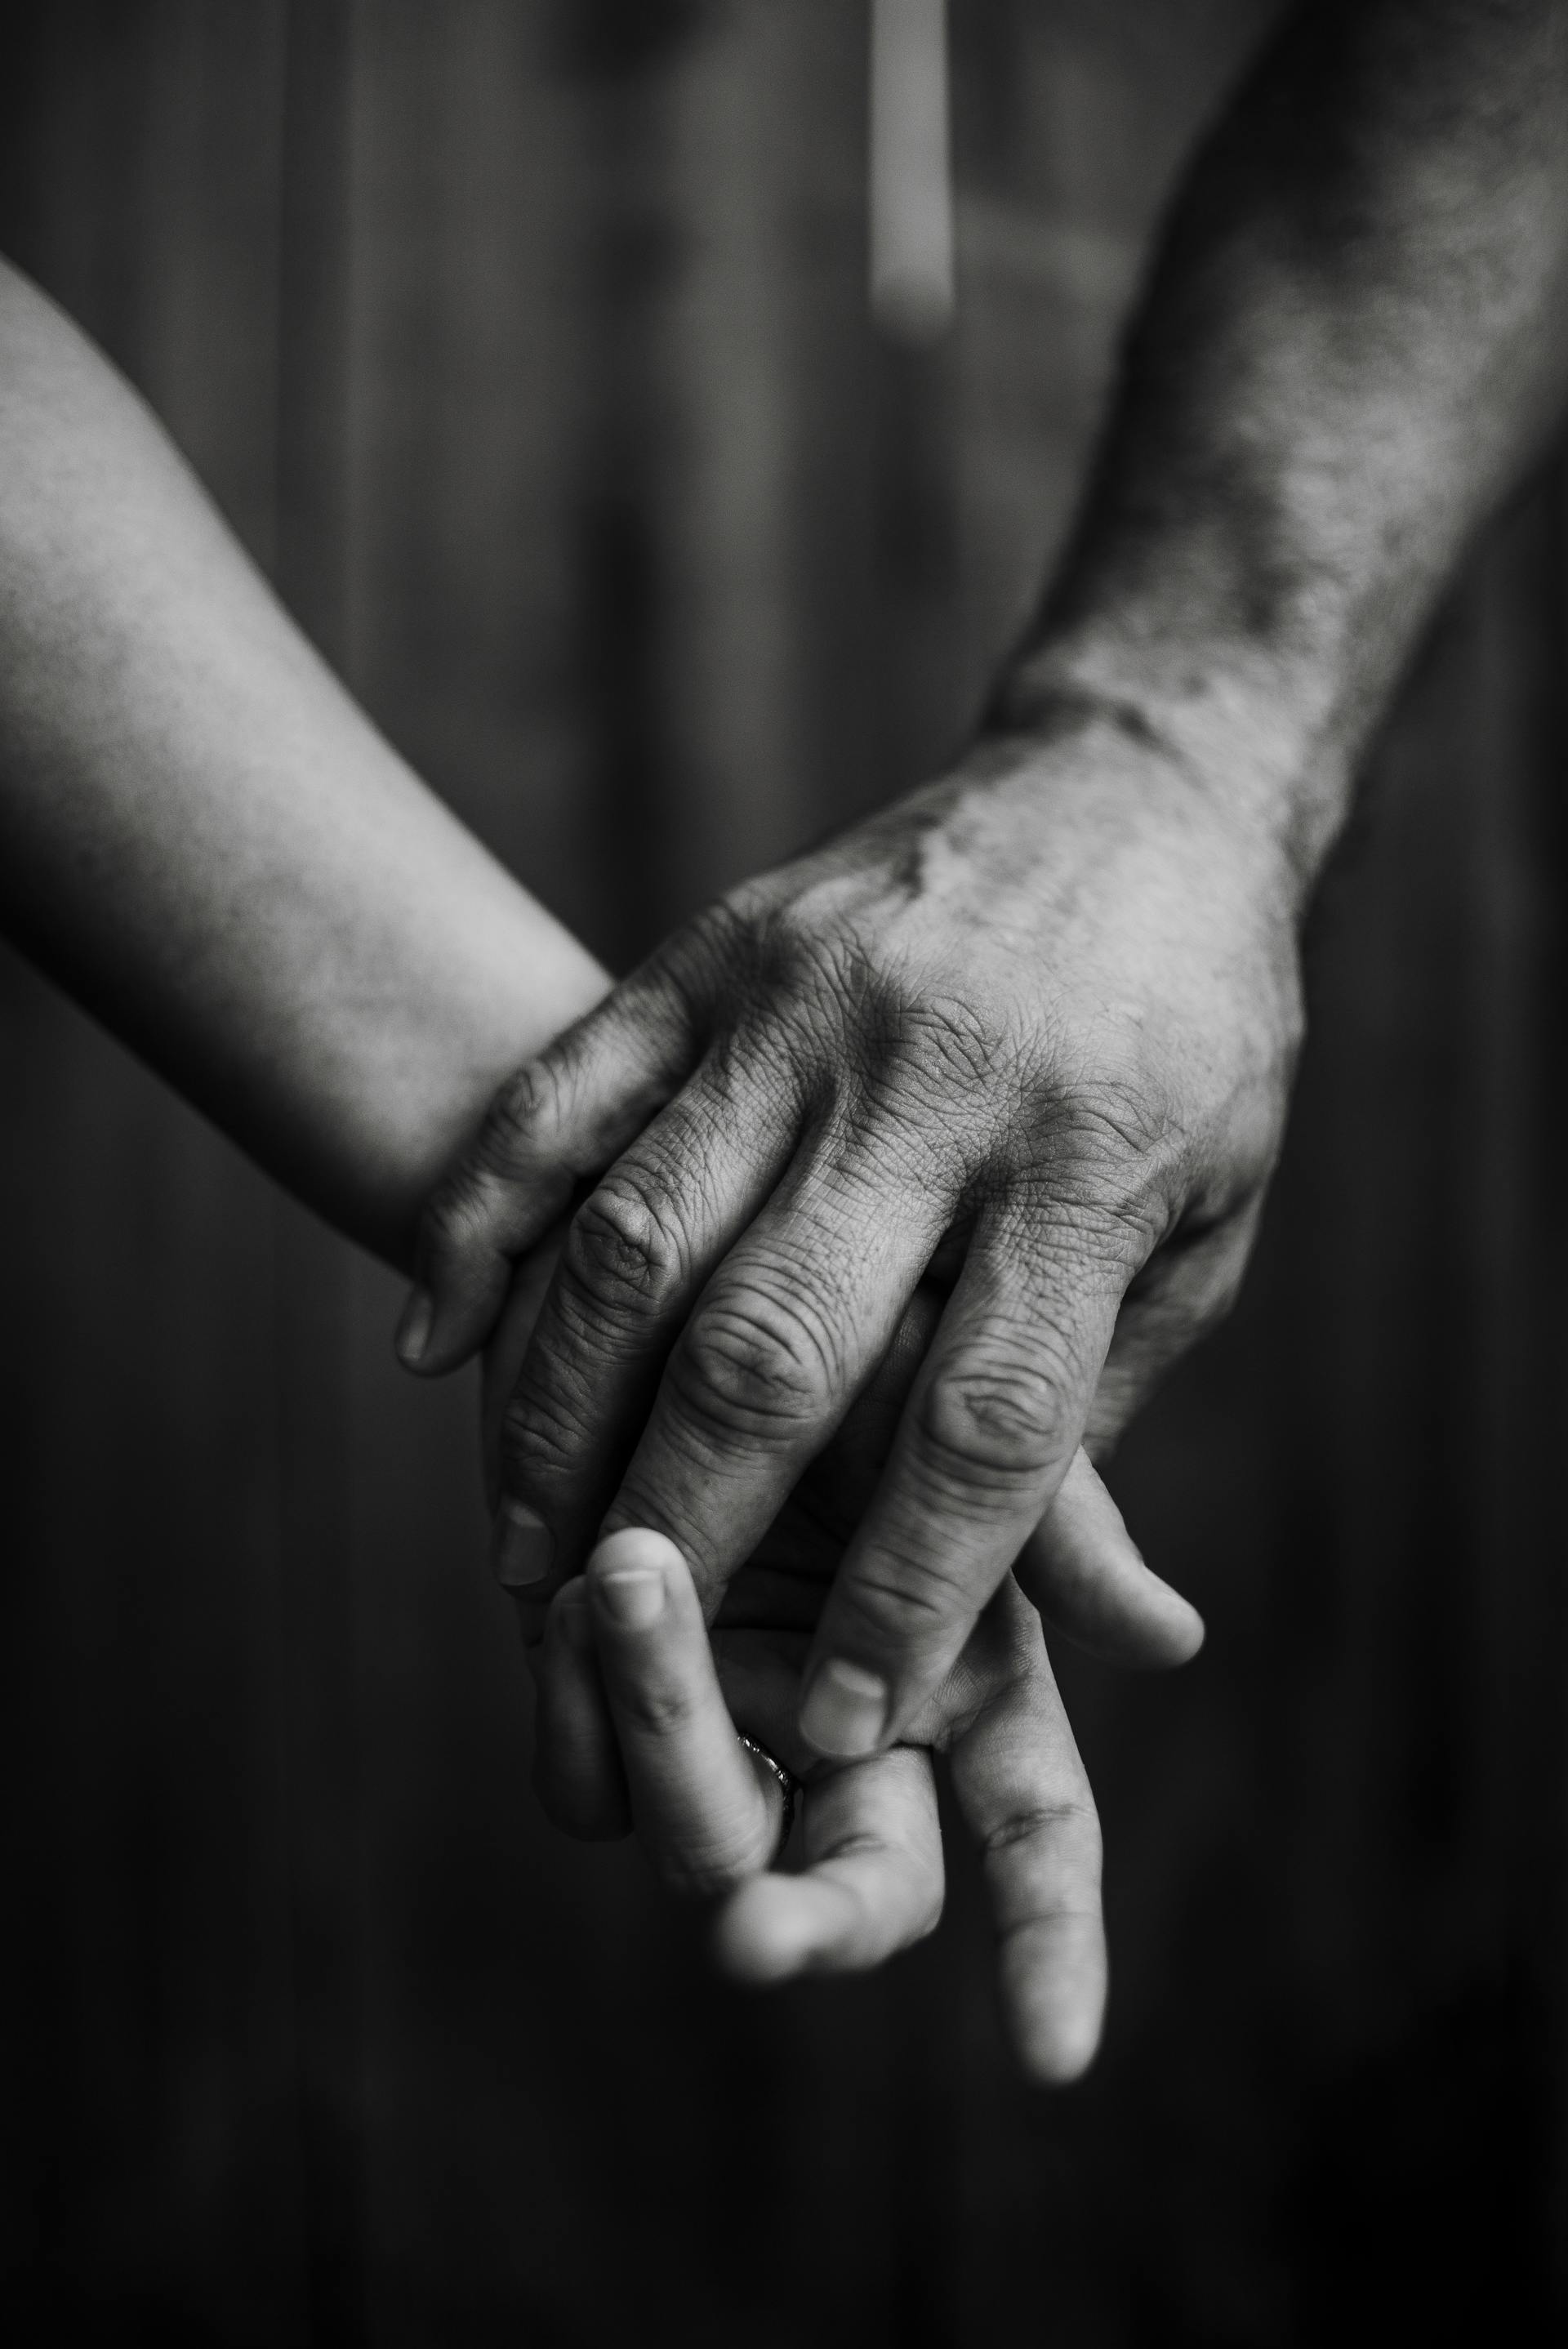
x,y
844,1711
632,1596
522,1547
413,1329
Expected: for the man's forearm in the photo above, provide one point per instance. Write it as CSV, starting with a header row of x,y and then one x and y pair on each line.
x,y
1351,343
206,840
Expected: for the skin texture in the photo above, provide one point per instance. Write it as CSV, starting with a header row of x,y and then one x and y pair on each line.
x,y
1030,1032
637,1718
207,842
638,1711
871,1882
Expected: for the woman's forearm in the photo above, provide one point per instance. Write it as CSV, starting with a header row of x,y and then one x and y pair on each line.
x,y
208,844
1351,342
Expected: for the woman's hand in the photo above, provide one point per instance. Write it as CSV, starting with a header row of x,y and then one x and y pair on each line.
x,y
630,1635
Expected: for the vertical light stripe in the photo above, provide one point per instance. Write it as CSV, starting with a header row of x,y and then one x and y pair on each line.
x,y
911,281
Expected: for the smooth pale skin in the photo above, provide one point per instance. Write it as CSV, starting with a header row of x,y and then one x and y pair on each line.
x,y
204,839
873,1875
1036,1024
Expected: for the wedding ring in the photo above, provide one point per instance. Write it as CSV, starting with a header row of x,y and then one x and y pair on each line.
x,y
788,1785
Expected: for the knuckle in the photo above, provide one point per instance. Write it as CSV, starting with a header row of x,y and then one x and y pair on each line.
x,y
755,1365
621,1250
992,1424
1107,1166
1116,1122
1062,1840
1083,1215
941,1074
1071,1820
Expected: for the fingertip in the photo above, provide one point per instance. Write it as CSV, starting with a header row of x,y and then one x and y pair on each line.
x,y
845,1712
1055,2003
1058,2057
631,1598
433,1338
634,1577
1186,1634
636,1548
1083,1571
414,1326
1154,1630
766,1931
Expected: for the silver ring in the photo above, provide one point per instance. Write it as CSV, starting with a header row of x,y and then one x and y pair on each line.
x,y
789,1785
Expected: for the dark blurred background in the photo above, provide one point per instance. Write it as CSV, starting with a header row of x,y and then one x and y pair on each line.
x,y
527,344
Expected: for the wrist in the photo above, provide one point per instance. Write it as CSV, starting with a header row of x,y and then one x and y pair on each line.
x,y
1252,738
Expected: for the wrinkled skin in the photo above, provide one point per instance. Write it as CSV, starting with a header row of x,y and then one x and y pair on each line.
x,y
638,1727
1030,1030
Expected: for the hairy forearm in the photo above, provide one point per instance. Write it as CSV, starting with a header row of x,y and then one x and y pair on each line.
x,y
204,839
1350,345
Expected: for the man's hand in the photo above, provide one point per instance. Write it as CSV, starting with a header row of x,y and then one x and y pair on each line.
x,y
1032,1029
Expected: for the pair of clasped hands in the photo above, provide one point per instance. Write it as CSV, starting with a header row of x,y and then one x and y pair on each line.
x,y
764,1353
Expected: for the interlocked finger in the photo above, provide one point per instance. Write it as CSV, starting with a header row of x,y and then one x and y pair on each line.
x,y
783,1338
